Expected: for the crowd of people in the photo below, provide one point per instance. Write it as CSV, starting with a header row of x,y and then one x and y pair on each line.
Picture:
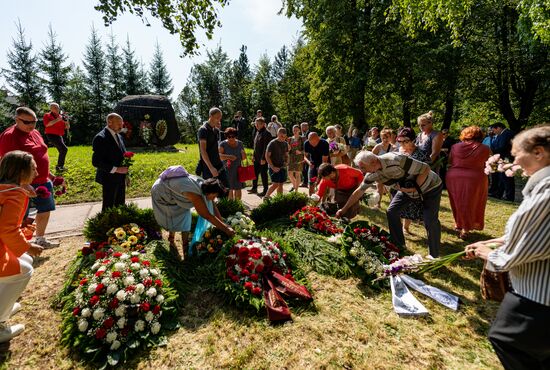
x,y
411,169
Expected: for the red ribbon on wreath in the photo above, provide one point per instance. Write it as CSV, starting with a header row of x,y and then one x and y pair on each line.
x,y
277,308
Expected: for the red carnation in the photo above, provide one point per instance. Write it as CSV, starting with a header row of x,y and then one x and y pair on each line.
x,y
255,253
245,272
148,282
276,257
100,333
86,251
114,303
235,278
134,259
128,154
243,252
99,288
94,300
58,180
156,309
99,273
99,255
146,263
158,283
116,274
248,285
145,306
267,261
108,323
256,290
76,311
250,266
83,281
254,277
117,254
259,268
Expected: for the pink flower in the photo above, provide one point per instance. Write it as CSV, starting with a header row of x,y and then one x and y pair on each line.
x,y
128,154
43,192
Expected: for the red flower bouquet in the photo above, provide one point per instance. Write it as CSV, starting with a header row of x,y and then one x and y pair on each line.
x,y
42,192
316,220
128,159
59,185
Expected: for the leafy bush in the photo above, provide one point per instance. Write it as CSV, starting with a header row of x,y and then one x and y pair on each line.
x,y
280,206
96,228
228,207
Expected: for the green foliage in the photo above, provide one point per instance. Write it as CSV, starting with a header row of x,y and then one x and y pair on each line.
x,y
96,228
95,82
316,253
278,207
52,63
134,79
159,78
229,207
115,73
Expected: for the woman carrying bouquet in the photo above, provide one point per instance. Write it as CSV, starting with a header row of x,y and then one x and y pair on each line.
x,y
174,194
519,333
467,184
17,171
336,144
232,151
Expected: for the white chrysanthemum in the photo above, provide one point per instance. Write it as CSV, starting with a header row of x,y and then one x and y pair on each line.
x,y
151,292
86,312
82,325
111,336
112,289
140,288
140,325
353,252
160,298
129,280
124,256
91,288
143,273
149,316
99,313
135,254
115,345
95,266
155,328
135,266
135,298
121,323
105,281
120,266
121,295
154,272
120,310
356,244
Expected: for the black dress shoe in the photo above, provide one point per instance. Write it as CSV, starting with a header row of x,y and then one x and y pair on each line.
x,y
262,194
252,191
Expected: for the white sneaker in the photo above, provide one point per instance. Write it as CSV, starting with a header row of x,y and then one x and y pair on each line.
x,y
15,309
7,332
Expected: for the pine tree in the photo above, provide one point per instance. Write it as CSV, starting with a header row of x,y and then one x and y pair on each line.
x,y
263,86
143,79
240,78
160,81
52,61
96,77
79,108
115,75
23,73
130,67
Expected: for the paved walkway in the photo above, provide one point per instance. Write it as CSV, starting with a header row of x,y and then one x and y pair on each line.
x,y
68,220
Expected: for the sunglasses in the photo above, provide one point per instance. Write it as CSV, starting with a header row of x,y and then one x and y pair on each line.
x,y
27,122
406,141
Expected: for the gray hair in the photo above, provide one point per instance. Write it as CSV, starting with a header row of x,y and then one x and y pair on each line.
x,y
365,157
213,111
110,117
54,104
330,128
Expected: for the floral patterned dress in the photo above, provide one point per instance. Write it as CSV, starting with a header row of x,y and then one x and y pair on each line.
x,y
415,209
296,161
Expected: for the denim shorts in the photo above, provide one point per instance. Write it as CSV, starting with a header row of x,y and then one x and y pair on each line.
x,y
43,204
278,177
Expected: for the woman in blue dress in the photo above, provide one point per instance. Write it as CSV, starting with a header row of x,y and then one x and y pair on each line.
x,y
174,194
232,152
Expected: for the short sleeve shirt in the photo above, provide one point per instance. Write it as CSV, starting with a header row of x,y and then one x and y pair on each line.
x,y
278,152
211,135
317,153
57,128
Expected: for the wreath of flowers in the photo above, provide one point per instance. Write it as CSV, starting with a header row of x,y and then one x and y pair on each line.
x,y
130,237
316,220
369,248
118,304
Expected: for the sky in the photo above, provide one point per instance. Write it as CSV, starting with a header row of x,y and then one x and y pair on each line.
x,y
253,23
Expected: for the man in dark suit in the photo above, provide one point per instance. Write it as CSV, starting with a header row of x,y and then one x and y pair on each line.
x,y
502,144
107,157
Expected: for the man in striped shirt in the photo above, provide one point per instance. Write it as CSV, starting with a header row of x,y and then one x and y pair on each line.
x,y
412,179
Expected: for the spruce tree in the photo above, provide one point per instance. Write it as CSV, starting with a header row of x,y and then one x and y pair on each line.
x,y
240,78
143,79
160,81
23,76
115,74
52,64
79,107
96,78
131,70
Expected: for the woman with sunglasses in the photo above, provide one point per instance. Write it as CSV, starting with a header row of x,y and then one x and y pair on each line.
x,y
429,140
232,151
407,146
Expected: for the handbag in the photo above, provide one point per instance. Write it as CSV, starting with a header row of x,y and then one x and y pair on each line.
x,y
494,285
246,173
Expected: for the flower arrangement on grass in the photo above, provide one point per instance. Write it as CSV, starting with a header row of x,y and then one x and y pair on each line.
x,y
241,223
59,185
117,307
259,266
369,248
130,237
316,220
211,243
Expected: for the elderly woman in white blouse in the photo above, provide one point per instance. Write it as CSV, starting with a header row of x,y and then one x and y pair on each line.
x,y
520,332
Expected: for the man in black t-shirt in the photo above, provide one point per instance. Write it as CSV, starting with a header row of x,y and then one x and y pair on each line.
x,y
210,164
304,132
261,140
317,153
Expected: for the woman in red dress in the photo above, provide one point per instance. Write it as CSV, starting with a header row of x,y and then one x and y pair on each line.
x,y
466,182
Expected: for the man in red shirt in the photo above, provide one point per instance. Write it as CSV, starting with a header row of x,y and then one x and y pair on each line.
x,y
23,136
55,126
344,179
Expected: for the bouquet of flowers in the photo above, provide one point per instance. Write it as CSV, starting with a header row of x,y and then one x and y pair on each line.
x,y
241,223
497,164
315,219
130,237
211,243
118,305
128,159
335,147
370,144
419,264
60,187
42,192
369,248
259,266
371,198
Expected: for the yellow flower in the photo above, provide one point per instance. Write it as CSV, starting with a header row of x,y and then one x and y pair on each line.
x,y
133,240
120,234
135,229
207,235
125,245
